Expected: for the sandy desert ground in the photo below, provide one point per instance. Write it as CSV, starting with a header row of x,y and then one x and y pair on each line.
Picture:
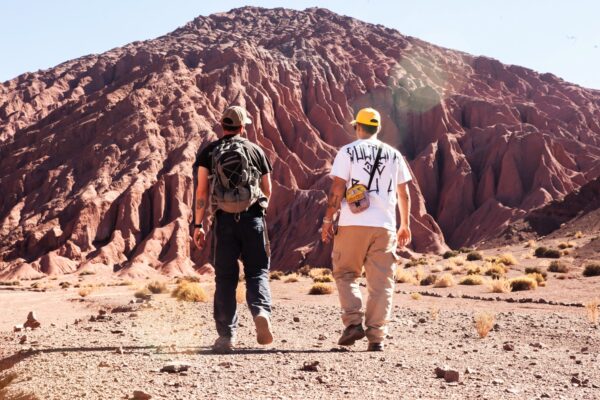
x,y
108,345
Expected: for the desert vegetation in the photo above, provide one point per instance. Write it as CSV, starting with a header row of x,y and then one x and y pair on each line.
x,y
190,291
320,288
592,269
484,322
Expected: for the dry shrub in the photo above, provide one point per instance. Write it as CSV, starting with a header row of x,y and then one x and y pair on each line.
x,y
474,256
415,296
530,243
323,279
507,259
592,269
436,269
465,250
539,278
10,283
523,283
190,291
484,322
157,287
142,293
402,276
84,273
321,288
558,266
428,280
459,262
592,311
314,272
566,245
544,252
187,278
435,313
445,281
275,275
413,262
578,235
499,285
496,271
473,269
456,271
291,278
471,280
536,270
240,294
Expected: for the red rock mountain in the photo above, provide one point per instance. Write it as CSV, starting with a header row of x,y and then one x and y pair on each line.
x,y
96,153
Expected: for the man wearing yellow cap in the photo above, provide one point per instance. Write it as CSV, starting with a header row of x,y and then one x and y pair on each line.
x,y
369,183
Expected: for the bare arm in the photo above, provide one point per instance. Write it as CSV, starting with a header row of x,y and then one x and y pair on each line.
x,y
265,185
404,234
334,202
201,196
200,206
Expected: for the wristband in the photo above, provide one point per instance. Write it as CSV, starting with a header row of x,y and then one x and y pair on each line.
x,y
198,225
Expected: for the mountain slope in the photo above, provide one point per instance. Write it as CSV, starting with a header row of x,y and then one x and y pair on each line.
x,y
96,153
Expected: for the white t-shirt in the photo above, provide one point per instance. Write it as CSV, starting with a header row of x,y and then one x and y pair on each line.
x,y
354,163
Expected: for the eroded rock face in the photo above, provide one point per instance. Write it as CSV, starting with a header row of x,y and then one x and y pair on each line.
x,y
96,154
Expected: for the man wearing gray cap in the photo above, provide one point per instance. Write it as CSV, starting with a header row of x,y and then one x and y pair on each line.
x,y
234,174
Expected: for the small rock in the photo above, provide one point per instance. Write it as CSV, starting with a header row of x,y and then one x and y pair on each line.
x,y
451,375
23,339
103,364
296,319
139,395
497,381
537,345
440,371
119,351
175,367
512,390
470,371
310,366
18,328
32,321
508,347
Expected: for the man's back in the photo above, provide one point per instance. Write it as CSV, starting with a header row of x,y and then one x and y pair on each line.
x,y
354,163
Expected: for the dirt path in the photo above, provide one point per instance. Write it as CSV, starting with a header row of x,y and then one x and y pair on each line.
x,y
111,358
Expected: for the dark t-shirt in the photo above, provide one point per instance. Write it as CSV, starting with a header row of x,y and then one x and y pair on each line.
x,y
256,155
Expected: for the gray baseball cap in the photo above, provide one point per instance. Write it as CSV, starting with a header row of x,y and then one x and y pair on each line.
x,y
235,116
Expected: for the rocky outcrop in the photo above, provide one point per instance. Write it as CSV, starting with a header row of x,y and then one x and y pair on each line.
x,y
96,154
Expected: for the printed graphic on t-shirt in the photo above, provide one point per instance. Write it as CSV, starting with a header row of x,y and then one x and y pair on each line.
x,y
354,163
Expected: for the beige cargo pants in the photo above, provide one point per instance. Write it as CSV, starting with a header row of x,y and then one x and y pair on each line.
x,y
375,249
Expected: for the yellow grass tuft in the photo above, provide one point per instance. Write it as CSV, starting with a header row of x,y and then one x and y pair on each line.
x,y
415,296
190,291
539,278
459,262
435,313
436,268
484,322
275,275
323,279
499,285
578,235
507,259
403,276
445,281
558,267
592,311
314,272
473,269
321,288
419,273
523,283
471,280
495,270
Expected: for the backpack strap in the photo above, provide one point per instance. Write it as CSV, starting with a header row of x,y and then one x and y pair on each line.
x,y
375,165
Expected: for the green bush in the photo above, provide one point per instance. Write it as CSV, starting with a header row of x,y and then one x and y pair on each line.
x,y
592,269
450,254
474,256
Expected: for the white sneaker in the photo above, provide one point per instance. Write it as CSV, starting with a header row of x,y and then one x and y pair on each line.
x,y
263,328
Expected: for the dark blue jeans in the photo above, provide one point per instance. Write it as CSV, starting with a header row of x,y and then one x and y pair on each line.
x,y
244,237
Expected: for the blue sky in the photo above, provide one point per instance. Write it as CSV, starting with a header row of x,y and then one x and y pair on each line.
x,y
558,36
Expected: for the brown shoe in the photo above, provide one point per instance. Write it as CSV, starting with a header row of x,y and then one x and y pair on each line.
x,y
351,334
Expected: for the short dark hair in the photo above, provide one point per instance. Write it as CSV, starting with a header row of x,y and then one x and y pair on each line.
x,y
230,128
370,129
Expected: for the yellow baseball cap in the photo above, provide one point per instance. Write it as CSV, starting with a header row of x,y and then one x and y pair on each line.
x,y
367,116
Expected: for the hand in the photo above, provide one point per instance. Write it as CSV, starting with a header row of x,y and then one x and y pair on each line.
x,y
199,237
404,236
326,232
